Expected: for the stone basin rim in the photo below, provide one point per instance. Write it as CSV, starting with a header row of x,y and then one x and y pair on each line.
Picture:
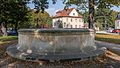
x,y
59,30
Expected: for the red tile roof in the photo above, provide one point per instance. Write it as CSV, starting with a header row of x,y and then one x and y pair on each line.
x,y
65,13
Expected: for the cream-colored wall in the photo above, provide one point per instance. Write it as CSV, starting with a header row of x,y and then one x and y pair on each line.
x,y
75,21
117,24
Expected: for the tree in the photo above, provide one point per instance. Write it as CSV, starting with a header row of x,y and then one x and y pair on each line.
x,y
85,16
41,4
41,19
13,12
114,2
104,14
100,4
92,4
113,18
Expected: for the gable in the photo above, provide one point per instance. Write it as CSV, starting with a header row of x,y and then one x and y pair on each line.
x,y
73,13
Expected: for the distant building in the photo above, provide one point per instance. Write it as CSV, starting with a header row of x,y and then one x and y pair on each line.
x,y
68,18
117,22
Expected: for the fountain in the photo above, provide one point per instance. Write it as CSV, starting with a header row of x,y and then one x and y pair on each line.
x,y
55,45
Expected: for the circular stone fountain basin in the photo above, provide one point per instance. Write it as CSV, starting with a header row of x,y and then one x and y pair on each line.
x,y
54,44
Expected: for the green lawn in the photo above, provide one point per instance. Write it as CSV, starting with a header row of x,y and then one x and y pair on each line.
x,y
8,38
108,38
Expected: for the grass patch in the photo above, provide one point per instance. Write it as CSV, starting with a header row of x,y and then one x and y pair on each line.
x,y
108,38
4,42
8,38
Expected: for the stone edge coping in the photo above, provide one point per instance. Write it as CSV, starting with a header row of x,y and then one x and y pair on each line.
x,y
55,30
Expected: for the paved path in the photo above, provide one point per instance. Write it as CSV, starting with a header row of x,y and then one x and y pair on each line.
x,y
112,47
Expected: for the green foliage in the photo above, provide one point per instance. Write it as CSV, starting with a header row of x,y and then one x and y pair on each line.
x,y
114,2
99,24
28,23
113,18
85,16
40,4
42,19
13,12
103,13
103,16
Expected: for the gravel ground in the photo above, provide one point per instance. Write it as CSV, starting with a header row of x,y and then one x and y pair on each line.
x,y
105,61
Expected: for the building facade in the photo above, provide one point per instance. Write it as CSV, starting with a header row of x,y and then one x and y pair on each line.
x,y
117,22
68,18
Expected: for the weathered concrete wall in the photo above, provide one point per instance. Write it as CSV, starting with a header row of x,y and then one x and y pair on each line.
x,y
62,41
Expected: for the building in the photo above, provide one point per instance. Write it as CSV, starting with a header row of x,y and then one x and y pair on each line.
x,y
117,22
68,18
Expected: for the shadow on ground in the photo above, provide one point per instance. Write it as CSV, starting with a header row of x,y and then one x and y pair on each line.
x,y
100,62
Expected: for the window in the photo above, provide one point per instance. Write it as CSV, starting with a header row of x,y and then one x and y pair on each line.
x,y
56,23
59,20
75,26
71,20
64,24
79,20
67,26
73,13
118,24
79,26
71,26
75,20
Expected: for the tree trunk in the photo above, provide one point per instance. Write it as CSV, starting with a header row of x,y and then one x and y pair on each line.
x,y
16,27
91,14
0,30
4,29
